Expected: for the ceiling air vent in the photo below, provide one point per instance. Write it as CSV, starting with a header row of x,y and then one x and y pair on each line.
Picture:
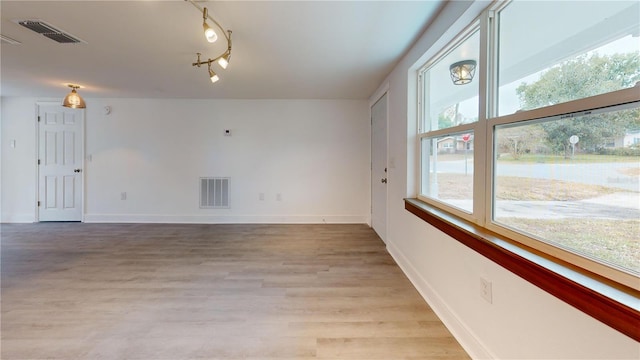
x,y
49,31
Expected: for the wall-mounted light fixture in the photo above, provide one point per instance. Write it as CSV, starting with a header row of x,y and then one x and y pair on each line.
x,y
462,72
73,99
224,58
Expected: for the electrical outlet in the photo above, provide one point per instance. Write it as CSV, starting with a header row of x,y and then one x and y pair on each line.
x,y
486,290
261,196
123,195
278,197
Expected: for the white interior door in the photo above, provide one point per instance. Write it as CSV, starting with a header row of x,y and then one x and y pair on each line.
x,y
379,167
60,163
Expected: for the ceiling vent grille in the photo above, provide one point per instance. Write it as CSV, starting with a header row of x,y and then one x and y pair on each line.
x,y
49,31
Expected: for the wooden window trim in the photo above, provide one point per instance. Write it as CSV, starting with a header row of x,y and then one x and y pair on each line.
x,y
607,308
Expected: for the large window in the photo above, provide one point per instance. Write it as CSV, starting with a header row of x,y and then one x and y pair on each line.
x,y
545,131
450,115
546,56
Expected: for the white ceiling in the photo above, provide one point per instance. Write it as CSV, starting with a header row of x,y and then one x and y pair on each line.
x,y
281,49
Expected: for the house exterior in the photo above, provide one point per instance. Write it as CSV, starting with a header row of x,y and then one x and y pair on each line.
x,y
630,138
454,145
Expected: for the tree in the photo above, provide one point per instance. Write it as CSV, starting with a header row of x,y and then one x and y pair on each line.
x,y
444,121
579,78
520,140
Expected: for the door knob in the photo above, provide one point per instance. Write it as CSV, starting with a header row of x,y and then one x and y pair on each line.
x,y
77,170
384,181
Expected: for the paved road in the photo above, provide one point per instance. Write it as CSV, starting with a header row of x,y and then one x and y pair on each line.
x,y
617,206
605,174
620,205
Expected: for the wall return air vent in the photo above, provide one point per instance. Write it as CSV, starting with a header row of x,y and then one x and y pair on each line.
x,y
49,31
214,193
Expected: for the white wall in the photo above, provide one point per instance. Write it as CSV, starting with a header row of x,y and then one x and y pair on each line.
x,y
523,322
315,153
19,163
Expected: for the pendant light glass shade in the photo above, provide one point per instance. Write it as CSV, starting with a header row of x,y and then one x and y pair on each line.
x,y
73,99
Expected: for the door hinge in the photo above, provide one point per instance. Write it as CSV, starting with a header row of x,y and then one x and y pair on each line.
x,y
38,161
38,203
38,118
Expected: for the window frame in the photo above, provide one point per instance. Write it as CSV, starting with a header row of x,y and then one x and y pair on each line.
x,y
603,101
476,215
484,149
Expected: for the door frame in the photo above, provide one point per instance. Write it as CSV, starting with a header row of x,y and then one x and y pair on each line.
x,y
382,91
38,104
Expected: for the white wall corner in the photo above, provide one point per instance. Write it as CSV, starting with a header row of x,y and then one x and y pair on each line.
x,y
381,90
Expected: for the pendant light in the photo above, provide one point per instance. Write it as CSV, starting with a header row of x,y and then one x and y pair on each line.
x,y
73,99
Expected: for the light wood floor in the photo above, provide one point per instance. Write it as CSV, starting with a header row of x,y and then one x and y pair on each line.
x,y
98,291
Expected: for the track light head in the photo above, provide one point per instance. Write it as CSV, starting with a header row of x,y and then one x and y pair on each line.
x,y
212,75
209,33
224,60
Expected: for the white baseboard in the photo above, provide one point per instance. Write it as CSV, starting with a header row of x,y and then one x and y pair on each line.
x,y
225,219
18,218
465,337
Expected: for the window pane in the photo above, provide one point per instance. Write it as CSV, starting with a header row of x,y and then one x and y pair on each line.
x,y
593,51
448,104
574,183
447,170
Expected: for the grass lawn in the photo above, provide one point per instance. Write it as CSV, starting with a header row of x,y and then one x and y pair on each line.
x,y
613,241
459,186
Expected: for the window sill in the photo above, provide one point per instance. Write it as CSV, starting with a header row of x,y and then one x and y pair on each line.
x,y
609,303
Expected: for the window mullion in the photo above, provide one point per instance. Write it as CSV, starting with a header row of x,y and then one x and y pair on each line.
x,y
482,172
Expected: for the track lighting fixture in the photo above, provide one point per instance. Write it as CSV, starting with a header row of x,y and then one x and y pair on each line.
x,y
73,100
212,36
